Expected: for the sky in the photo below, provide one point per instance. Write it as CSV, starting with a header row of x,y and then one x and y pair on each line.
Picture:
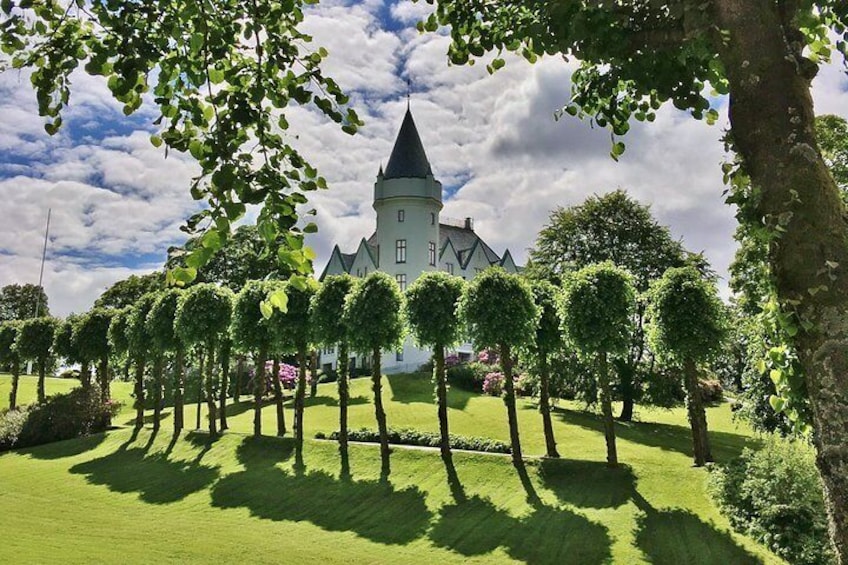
x,y
117,202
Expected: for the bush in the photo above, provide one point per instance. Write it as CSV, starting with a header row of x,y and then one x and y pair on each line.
x,y
527,384
493,384
711,390
427,439
69,374
775,496
63,416
470,376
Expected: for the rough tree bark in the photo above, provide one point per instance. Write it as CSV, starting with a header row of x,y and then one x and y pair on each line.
x,y
16,377
225,383
200,368
697,415
545,405
85,374
278,398
179,389
442,396
42,374
344,393
210,390
239,379
103,377
258,390
380,414
299,397
313,371
772,124
158,368
139,393
509,400
606,409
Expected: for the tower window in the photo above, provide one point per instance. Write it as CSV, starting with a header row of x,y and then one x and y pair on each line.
x,y
401,280
400,251
432,218
401,215
432,253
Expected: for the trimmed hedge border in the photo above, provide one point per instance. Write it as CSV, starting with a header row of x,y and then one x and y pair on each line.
x,y
408,436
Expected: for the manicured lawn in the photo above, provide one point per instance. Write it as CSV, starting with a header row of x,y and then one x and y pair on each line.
x,y
120,498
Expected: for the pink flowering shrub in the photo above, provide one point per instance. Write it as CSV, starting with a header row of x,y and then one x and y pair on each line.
x,y
451,360
493,384
488,357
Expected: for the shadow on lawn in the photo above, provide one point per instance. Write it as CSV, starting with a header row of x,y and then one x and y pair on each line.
x,y
371,509
332,401
418,387
66,448
669,437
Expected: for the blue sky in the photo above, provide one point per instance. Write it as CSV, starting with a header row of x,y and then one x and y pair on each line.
x,y
492,141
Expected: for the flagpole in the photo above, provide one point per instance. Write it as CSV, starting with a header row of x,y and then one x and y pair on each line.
x,y
43,257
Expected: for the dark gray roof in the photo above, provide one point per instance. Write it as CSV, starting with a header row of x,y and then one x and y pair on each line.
x,y
347,260
408,158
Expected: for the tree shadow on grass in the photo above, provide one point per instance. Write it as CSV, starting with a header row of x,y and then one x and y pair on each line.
x,y
418,388
373,510
332,401
588,484
234,409
725,445
66,448
156,478
546,535
672,536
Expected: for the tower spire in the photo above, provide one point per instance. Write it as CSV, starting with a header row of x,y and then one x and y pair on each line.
x,y
408,91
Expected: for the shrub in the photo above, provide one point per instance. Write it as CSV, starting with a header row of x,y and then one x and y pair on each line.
x,y
427,439
775,496
470,376
527,384
487,357
452,360
711,390
493,383
63,416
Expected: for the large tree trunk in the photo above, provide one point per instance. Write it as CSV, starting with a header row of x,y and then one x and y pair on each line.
x,y
103,377
200,368
158,367
139,393
85,375
509,400
344,392
299,397
225,383
179,389
772,124
313,372
16,377
545,405
697,415
42,375
628,391
210,390
258,390
239,379
379,413
442,396
278,398
606,409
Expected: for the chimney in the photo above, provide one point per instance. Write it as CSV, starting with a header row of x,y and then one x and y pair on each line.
x,y
469,224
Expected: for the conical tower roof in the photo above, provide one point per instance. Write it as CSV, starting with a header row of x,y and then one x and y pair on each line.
x,y
408,158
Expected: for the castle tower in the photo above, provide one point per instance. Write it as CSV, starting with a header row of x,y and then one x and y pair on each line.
x,y
407,200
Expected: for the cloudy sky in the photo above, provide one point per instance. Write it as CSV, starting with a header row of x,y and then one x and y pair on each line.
x,y
118,203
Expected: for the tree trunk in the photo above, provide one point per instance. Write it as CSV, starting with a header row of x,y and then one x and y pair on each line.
x,y
210,390
545,405
278,398
299,397
16,377
509,400
379,413
139,393
697,415
42,375
201,358
103,377
85,375
225,383
628,391
606,409
239,379
313,371
158,367
772,124
442,396
344,392
179,389
258,390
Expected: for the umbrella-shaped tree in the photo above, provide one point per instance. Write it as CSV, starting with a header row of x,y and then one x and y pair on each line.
x,y
160,326
498,311
374,307
203,317
548,340
34,341
65,346
8,354
686,326
597,309
330,329
118,342
430,310
138,342
91,334
250,332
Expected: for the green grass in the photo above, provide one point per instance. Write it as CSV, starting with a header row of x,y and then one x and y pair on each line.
x,y
119,498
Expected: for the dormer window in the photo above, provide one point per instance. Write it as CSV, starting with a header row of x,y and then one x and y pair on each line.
x,y
401,215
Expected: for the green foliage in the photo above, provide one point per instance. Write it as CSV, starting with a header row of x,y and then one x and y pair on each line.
x,y
597,309
498,308
221,76
8,335
832,137
91,334
327,324
686,319
549,337
430,311
19,302
292,328
373,312
203,314
128,291
118,331
138,339
35,338
64,344
63,416
408,436
775,496
249,329
470,376
159,324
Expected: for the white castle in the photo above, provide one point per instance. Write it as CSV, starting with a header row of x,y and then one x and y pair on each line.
x,y
411,238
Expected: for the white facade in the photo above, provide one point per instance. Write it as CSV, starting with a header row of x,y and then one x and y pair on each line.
x,y
411,238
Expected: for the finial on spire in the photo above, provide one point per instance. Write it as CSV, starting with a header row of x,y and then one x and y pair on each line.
x,y
408,91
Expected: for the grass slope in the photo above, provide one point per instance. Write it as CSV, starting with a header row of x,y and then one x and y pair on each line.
x,y
116,497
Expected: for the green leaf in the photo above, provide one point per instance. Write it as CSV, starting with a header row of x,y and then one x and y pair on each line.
x,y
279,300
266,309
777,403
181,276
156,140
309,253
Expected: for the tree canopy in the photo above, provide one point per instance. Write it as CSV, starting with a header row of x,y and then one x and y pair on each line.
x,y
250,330
374,307
204,313
118,331
35,338
138,339
8,335
160,321
91,333
126,292
327,304
430,310
20,302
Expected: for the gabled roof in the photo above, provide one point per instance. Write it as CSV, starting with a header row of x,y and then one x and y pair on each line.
x,y
408,158
464,241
